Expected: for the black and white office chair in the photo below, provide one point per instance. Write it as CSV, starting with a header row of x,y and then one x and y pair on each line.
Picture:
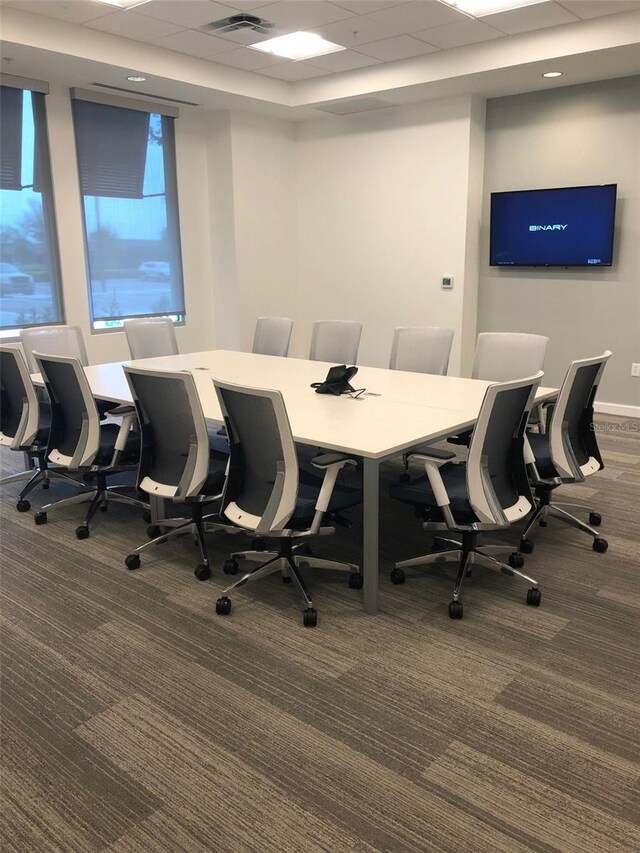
x,y
267,494
24,425
80,442
568,452
151,337
53,340
177,462
421,349
488,492
336,341
272,336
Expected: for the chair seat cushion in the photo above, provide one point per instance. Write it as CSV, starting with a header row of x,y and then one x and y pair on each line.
x,y
343,497
542,451
108,438
419,493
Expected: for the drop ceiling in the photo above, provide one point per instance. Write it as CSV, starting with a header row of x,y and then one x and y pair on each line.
x,y
397,51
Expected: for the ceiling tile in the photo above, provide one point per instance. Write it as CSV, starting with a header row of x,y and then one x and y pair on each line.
x,y
398,47
530,18
249,60
597,8
134,26
415,16
353,31
363,7
294,15
292,71
247,5
78,12
193,43
187,13
344,60
458,34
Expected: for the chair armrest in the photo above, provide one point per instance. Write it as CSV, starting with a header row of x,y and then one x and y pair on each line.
x,y
432,453
123,432
325,460
432,468
121,410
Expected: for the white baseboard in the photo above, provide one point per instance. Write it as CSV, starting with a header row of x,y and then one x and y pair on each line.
x,y
617,409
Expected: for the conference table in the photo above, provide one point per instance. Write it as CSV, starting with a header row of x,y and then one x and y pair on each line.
x,y
397,412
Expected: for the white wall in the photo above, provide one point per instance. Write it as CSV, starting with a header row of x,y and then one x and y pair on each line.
x,y
383,204
571,136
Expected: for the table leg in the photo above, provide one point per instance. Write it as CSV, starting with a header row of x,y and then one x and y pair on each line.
x,y
370,534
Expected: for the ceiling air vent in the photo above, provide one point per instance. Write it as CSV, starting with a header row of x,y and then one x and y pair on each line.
x,y
240,22
354,105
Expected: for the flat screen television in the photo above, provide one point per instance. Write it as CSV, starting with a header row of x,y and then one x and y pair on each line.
x,y
562,227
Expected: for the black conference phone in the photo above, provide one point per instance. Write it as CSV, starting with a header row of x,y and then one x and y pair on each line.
x,y
337,381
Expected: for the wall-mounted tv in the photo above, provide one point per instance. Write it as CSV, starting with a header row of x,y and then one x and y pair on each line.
x,y
562,227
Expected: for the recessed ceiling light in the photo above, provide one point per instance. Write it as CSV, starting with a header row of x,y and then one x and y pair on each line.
x,y
136,78
480,8
297,46
552,74
122,4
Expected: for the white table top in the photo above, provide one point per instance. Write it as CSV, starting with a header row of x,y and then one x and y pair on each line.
x,y
411,407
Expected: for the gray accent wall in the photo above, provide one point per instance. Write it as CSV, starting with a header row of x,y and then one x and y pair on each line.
x,y
570,136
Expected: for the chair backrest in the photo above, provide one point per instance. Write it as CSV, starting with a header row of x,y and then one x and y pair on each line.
x,y
53,340
262,481
272,336
19,409
174,461
497,481
75,423
151,337
421,349
502,356
572,437
336,341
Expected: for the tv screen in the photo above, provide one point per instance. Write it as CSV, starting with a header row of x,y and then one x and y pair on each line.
x,y
564,227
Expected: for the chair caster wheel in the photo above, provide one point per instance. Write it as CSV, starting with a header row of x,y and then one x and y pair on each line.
x,y
40,517
286,578
258,544
526,546
534,597
356,581
405,477
230,567
202,572
146,516
595,519
103,507
543,523
600,545
23,506
132,562
398,576
310,617
153,531
82,532
455,610
516,561
46,484
223,606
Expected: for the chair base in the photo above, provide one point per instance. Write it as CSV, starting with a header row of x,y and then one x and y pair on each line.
x,y
41,473
288,563
545,508
468,553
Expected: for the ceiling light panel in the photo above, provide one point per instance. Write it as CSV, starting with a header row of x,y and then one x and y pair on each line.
x,y
123,4
479,8
297,46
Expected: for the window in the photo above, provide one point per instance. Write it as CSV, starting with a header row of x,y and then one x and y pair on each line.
x,y
126,164
29,266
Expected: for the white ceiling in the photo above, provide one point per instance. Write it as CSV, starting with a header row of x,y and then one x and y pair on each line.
x,y
391,44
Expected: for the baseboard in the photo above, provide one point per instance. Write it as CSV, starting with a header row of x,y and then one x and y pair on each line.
x,y
617,409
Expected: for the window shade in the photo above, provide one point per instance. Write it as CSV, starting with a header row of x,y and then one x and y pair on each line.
x,y
11,138
112,149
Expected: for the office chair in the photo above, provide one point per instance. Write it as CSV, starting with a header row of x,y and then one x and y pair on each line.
x,y
503,356
266,493
24,425
53,340
177,461
421,350
568,452
272,336
336,341
488,492
150,337
79,442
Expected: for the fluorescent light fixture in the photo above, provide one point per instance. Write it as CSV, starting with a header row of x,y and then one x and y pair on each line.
x,y
122,4
480,8
552,74
136,78
297,46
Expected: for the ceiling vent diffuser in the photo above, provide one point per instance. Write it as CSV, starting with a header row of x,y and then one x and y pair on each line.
x,y
240,22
